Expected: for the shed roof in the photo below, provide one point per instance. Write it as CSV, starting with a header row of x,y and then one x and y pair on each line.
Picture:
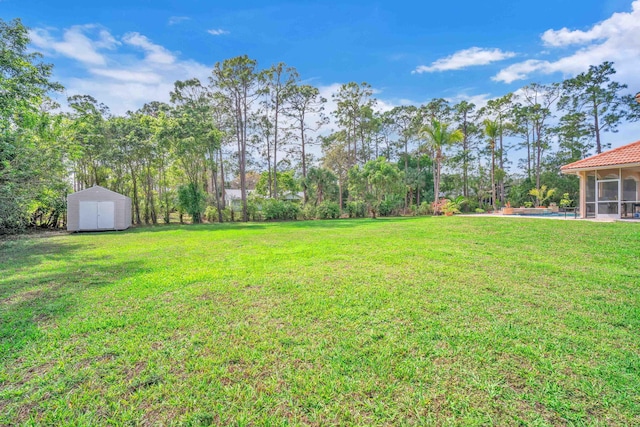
x,y
625,155
96,189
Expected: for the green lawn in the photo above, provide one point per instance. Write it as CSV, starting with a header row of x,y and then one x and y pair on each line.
x,y
416,321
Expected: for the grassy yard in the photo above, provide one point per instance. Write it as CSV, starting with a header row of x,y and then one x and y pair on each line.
x,y
416,321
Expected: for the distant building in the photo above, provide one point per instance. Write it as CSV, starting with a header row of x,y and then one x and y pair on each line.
x,y
293,196
233,198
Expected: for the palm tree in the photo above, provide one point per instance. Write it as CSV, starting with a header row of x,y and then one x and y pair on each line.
x,y
321,181
492,131
438,137
542,195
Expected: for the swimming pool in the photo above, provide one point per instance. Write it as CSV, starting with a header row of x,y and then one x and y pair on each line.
x,y
552,214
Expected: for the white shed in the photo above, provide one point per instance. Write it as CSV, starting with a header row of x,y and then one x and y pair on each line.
x,y
97,208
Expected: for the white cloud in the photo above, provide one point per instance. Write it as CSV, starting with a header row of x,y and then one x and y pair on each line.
x,y
76,43
135,82
471,57
122,72
155,53
217,32
521,70
177,19
615,39
148,77
612,27
479,100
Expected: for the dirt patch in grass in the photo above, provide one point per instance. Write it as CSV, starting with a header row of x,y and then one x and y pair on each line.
x,y
216,296
25,411
133,373
164,416
23,298
26,376
549,415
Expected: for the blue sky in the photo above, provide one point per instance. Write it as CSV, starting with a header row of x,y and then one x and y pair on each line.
x,y
128,52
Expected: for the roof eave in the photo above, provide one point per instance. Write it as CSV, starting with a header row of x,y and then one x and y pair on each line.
x,y
594,168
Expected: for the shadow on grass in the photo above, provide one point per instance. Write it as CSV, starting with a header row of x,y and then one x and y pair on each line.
x,y
226,226
23,253
348,222
32,300
251,225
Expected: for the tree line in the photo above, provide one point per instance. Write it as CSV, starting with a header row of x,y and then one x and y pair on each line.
x,y
266,130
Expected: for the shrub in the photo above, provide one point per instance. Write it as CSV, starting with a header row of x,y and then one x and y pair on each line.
x,y
328,210
280,210
211,214
439,205
47,208
390,205
479,210
291,210
253,209
451,207
12,217
356,209
565,202
471,205
228,214
308,212
191,200
424,209
542,195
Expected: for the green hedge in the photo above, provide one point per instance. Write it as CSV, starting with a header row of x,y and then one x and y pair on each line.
x,y
356,209
328,210
277,209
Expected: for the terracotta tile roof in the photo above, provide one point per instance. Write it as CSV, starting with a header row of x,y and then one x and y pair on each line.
x,y
626,154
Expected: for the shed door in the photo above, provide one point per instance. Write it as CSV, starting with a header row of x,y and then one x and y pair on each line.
x,y
106,215
88,216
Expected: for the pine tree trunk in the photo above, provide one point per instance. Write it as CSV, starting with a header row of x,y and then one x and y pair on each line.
x,y
406,168
528,154
596,126
538,159
223,195
275,149
243,162
501,184
214,184
304,158
136,200
465,158
493,177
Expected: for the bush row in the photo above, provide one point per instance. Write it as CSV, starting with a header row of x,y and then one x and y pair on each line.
x,y
279,210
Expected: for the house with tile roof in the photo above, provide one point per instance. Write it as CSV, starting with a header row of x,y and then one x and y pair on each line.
x,y
609,183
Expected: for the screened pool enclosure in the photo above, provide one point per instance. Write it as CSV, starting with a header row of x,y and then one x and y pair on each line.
x,y
609,183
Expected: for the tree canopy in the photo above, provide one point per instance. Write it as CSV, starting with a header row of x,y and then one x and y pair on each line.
x,y
251,128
